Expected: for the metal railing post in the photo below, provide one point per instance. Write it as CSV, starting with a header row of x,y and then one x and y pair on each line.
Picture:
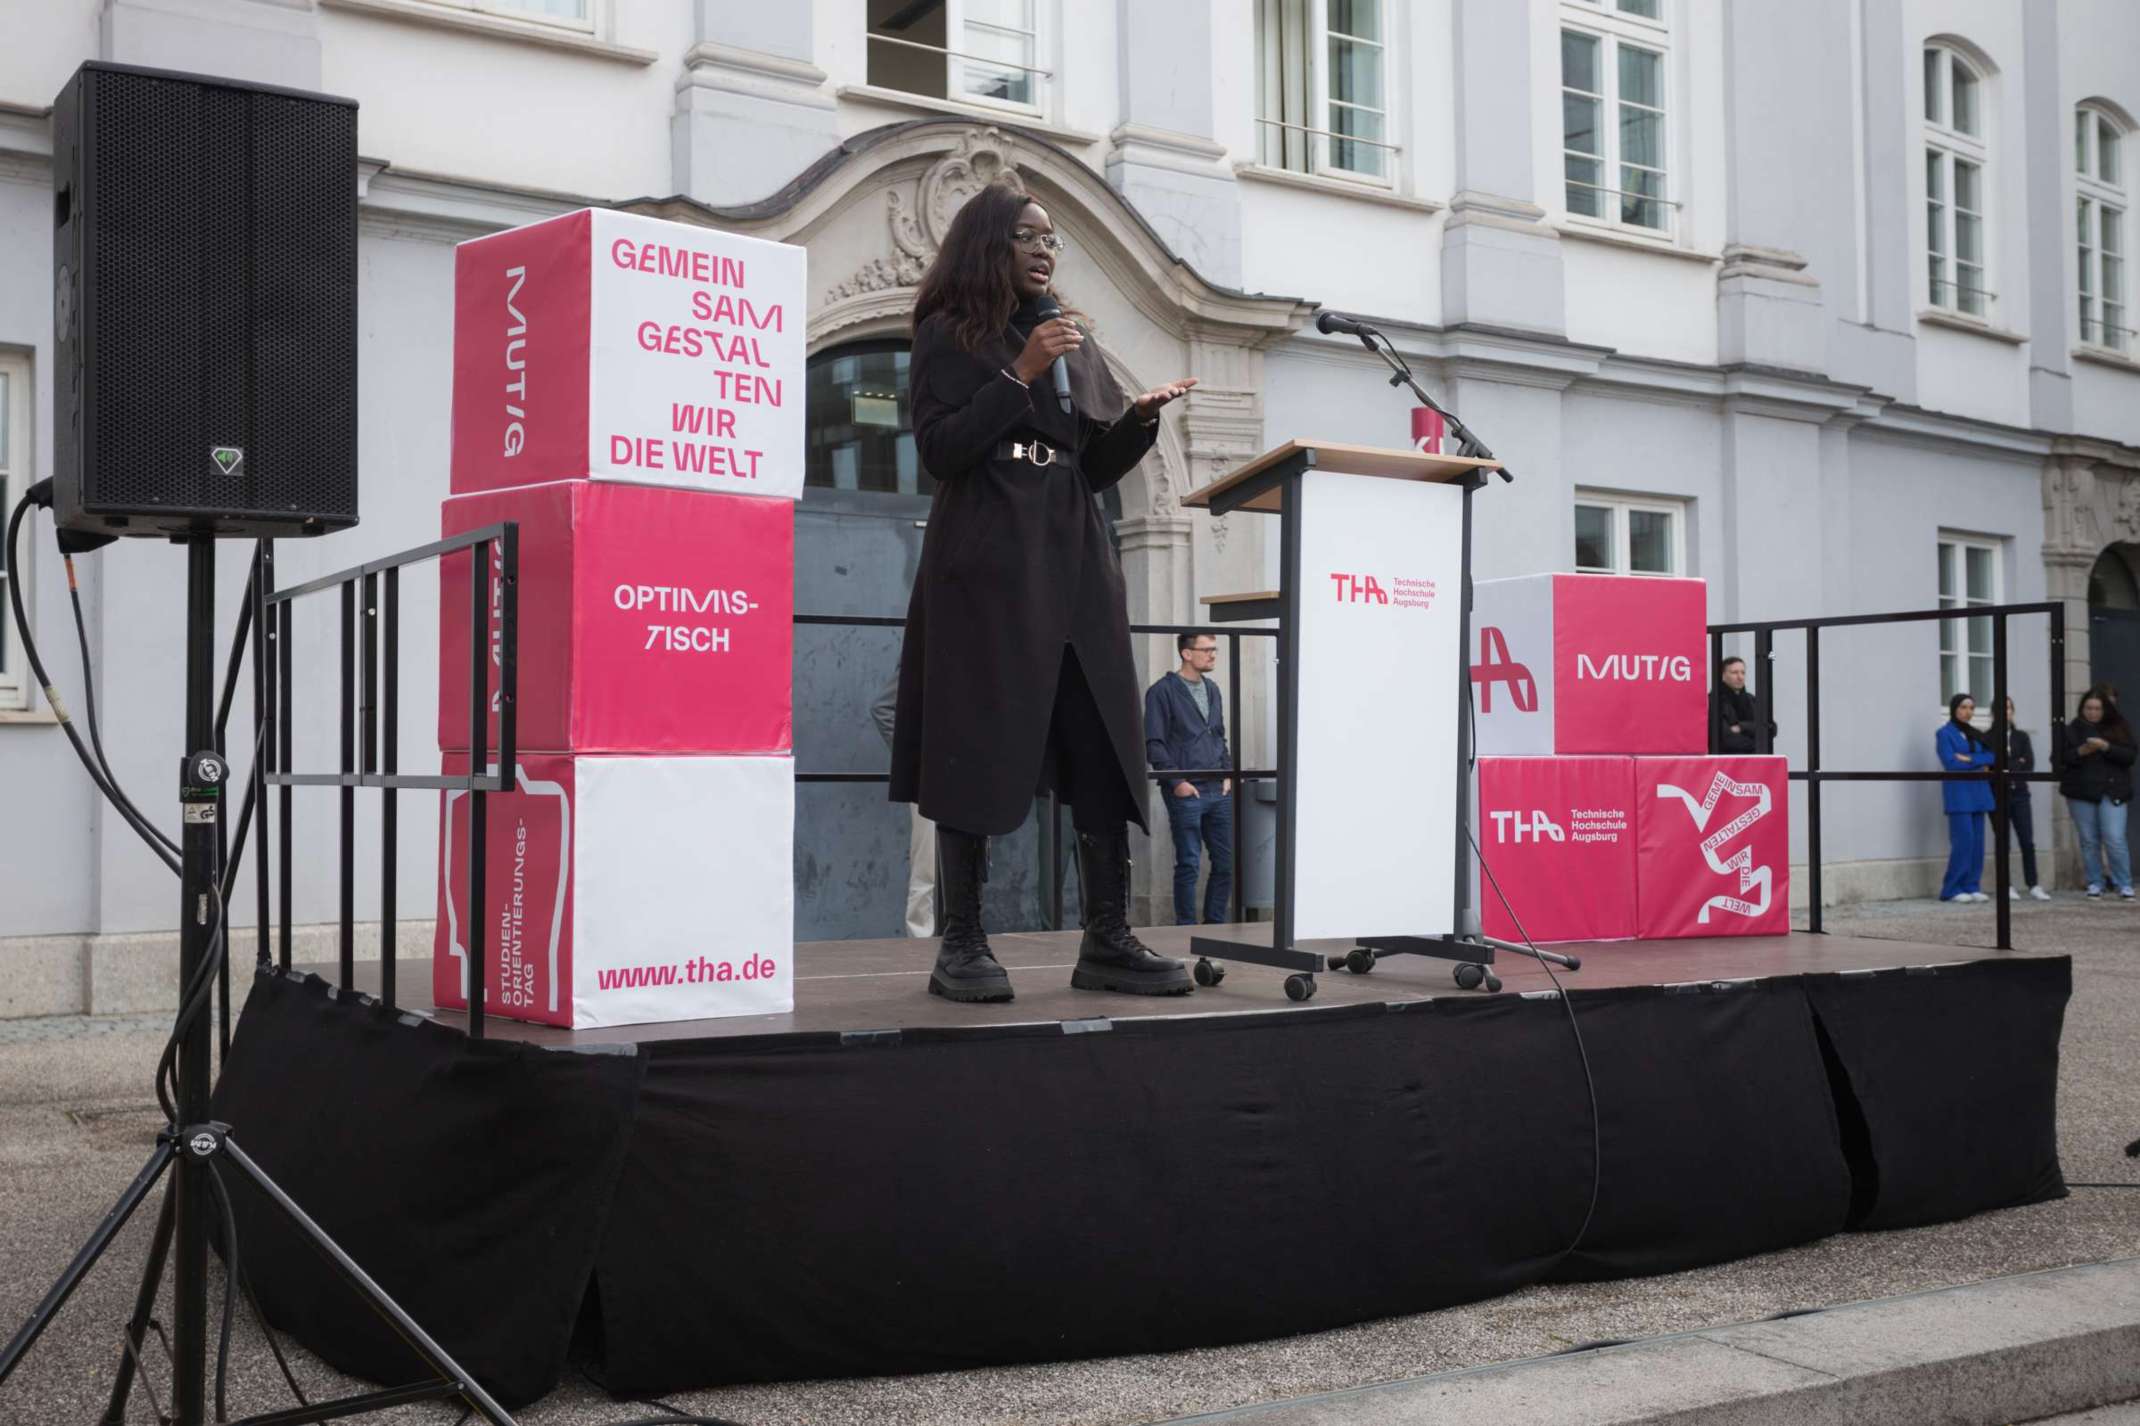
x,y
1813,781
2001,799
1765,693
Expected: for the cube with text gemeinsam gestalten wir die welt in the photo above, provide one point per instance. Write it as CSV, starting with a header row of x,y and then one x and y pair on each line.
x,y
1589,663
624,890
650,620
1712,846
1558,835
609,346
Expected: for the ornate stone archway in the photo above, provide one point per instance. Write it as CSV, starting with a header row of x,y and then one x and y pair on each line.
x,y
2091,501
873,213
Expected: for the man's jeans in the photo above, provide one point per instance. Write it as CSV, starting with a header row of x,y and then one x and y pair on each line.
x,y
1207,820
2100,826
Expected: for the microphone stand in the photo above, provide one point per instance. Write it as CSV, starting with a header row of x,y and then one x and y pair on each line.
x,y
1468,944
1401,375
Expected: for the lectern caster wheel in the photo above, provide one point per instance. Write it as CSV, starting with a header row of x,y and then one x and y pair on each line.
x,y
1469,976
1207,972
1359,960
1299,987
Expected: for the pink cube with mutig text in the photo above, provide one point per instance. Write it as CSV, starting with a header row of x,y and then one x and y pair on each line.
x,y
609,346
1589,663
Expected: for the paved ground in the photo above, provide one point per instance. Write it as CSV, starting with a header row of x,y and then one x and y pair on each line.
x,y
77,1118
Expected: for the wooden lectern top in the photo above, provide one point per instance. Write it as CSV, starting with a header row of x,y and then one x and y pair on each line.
x,y
1346,460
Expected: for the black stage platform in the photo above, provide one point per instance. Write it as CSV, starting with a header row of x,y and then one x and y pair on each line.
x,y
884,1182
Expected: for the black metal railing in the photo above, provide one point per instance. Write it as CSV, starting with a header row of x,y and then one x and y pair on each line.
x,y
1814,776
1052,863
369,654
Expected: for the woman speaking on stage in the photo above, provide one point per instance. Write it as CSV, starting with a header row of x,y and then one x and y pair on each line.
x,y
1016,675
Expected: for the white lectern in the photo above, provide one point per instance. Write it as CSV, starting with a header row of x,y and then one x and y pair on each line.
x,y
1372,604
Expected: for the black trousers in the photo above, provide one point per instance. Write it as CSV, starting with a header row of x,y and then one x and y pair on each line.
x,y
1087,774
2024,833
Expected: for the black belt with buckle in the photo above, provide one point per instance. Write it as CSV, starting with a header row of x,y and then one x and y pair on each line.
x,y
1040,453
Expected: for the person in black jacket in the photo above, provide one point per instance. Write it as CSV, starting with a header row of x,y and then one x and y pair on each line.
x,y
2020,757
1733,715
1015,674
2098,785
1185,728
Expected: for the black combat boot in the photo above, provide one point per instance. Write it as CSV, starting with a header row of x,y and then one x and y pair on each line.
x,y
1111,957
965,968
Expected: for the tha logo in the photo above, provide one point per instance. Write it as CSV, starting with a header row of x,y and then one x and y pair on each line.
x,y
227,459
1358,589
1741,862
1495,666
1536,825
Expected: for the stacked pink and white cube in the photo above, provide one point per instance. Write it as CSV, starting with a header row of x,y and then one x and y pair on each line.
x,y
630,391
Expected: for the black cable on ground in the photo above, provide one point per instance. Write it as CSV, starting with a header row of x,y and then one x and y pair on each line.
x,y
677,1415
1582,1052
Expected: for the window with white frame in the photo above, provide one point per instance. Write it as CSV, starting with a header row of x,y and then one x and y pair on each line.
x,y
1968,579
2099,221
15,452
570,14
1957,155
1323,87
1623,534
976,51
1613,64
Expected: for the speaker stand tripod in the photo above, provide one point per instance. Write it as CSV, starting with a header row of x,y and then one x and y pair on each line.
x,y
193,1147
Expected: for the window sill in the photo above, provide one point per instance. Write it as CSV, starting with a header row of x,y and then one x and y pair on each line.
x,y
1584,232
1363,190
28,717
475,22
2106,356
1974,326
929,104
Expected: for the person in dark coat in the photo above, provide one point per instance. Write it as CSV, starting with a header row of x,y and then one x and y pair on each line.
x,y
1733,714
2098,787
2020,806
1016,674
1961,748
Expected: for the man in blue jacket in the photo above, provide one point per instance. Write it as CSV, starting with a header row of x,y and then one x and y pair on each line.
x,y
1185,727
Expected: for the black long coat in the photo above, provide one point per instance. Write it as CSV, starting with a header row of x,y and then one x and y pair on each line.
x,y
1016,562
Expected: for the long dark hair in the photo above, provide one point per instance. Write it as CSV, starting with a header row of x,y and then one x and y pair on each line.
x,y
970,281
2113,728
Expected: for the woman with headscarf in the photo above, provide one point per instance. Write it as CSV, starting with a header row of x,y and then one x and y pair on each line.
x,y
1016,672
1962,748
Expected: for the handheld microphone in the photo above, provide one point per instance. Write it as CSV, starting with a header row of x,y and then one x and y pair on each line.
x,y
1059,369
1339,323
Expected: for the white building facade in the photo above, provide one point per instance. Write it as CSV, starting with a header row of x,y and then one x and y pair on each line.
x,y
1827,303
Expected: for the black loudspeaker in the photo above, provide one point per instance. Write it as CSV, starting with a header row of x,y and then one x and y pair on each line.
x,y
204,306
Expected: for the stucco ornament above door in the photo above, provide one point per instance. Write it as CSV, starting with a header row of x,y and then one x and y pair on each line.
x,y
919,223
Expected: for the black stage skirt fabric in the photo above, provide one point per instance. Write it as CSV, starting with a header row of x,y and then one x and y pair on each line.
x,y
781,1207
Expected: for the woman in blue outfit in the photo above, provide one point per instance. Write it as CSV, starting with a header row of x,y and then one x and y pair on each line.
x,y
1962,748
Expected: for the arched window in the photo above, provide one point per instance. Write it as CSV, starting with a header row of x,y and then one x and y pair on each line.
x,y
2099,222
1957,188
859,421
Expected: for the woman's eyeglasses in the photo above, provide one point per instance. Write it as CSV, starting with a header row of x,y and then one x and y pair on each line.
x,y
1039,242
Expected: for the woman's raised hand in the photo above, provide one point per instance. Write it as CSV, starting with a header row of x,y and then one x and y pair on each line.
x,y
1058,336
1147,406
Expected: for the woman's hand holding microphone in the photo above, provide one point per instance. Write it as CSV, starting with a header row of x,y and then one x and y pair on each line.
x,y
1058,337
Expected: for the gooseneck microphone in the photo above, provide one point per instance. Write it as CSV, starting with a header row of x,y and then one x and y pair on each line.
x,y
1339,323
1059,369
